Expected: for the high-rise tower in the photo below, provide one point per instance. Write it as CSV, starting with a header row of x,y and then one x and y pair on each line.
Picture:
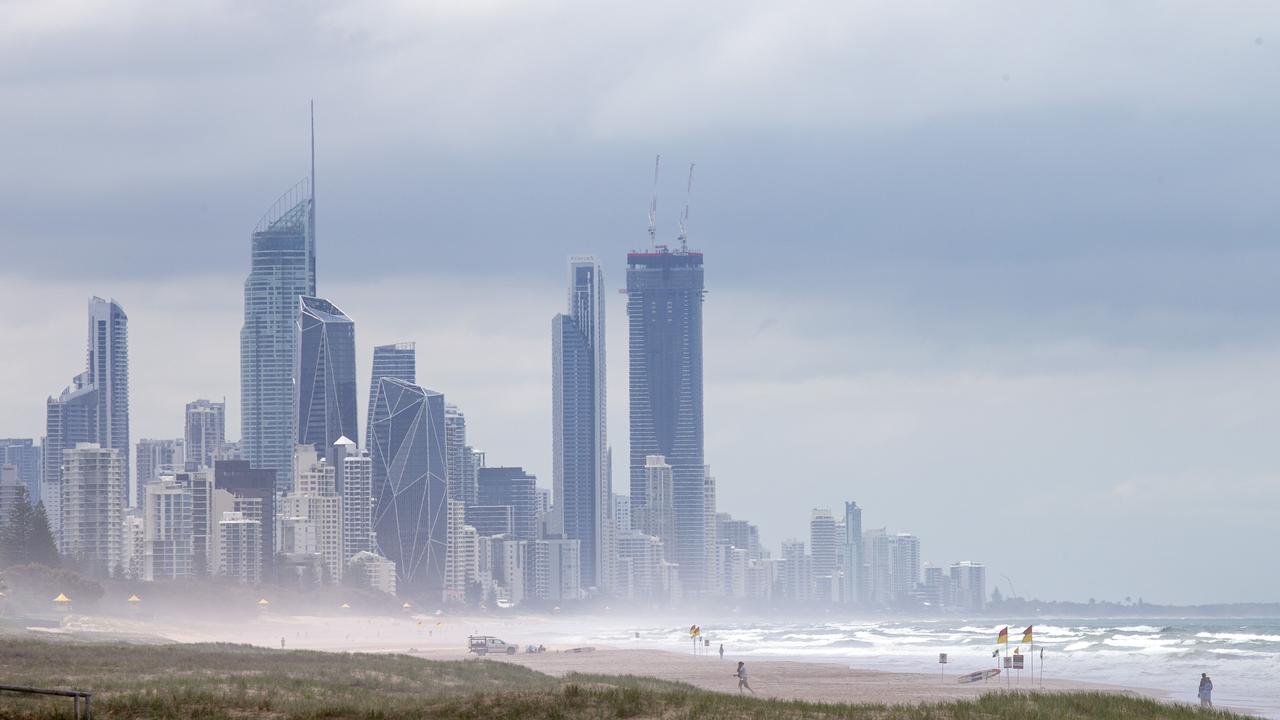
x,y
282,271
205,432
71,419
108,371
664,313
852,570
397,361
580,477
325,375
410,514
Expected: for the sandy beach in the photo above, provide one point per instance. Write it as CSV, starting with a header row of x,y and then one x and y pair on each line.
x,y
439,638
784,679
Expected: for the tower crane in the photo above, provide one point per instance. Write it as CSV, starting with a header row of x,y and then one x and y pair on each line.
x,y
653,204
684,216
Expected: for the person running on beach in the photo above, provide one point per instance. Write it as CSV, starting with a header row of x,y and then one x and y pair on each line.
x,y
742,678
721,651
1206,690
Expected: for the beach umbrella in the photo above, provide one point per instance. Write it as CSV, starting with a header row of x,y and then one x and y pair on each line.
x,y
135,599
439,612
407,605
263,602
62,598
345,606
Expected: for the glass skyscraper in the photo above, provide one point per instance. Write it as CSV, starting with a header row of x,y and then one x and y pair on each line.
x,y
326,375
71,419
282,271
580,470
397,361
664,313
108,371
409,484
95,407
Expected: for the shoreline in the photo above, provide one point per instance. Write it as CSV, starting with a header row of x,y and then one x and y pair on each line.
x,y
813,680
808,677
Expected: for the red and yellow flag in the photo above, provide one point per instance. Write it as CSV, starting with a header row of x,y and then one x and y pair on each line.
x,y
1003,637
1026,635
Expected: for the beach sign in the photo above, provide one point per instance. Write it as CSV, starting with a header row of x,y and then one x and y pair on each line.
x,y
942,658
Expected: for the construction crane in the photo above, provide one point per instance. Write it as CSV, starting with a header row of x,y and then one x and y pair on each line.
x,y
653,204
684,216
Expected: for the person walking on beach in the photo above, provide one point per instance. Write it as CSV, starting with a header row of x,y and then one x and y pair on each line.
x,y
1206,690
742,678
721,651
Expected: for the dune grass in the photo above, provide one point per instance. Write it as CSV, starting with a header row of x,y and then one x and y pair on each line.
x,y
221,681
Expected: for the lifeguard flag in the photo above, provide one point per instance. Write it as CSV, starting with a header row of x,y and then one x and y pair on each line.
x,y
1003,637
1026,635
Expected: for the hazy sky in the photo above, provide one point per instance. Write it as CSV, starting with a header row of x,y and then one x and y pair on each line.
x,y
1004,273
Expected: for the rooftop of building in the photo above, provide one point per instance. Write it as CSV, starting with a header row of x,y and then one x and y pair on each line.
x,y
664,256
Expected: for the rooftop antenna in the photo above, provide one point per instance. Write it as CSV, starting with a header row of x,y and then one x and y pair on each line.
x,y
653,204
684,216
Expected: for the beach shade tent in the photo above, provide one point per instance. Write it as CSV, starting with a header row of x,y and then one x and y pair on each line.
x,y
263,603
345,606
407,605
62,602
135,603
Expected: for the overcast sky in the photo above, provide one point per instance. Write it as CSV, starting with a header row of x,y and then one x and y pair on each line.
x,y
1004,273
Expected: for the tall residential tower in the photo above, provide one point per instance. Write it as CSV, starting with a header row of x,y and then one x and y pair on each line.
x,y
664,313
109,372
282,271
397,361
580,468
325,373
410,515
206,432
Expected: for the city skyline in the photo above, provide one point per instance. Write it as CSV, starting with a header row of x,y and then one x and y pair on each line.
x,y
1080,331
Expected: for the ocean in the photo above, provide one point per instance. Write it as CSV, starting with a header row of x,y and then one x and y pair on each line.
x,y
1242,656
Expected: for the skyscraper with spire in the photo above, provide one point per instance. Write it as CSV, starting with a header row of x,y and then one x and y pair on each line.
x,y
282,270
580,468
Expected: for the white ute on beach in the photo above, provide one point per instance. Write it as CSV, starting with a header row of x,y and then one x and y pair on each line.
x,y
485,644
